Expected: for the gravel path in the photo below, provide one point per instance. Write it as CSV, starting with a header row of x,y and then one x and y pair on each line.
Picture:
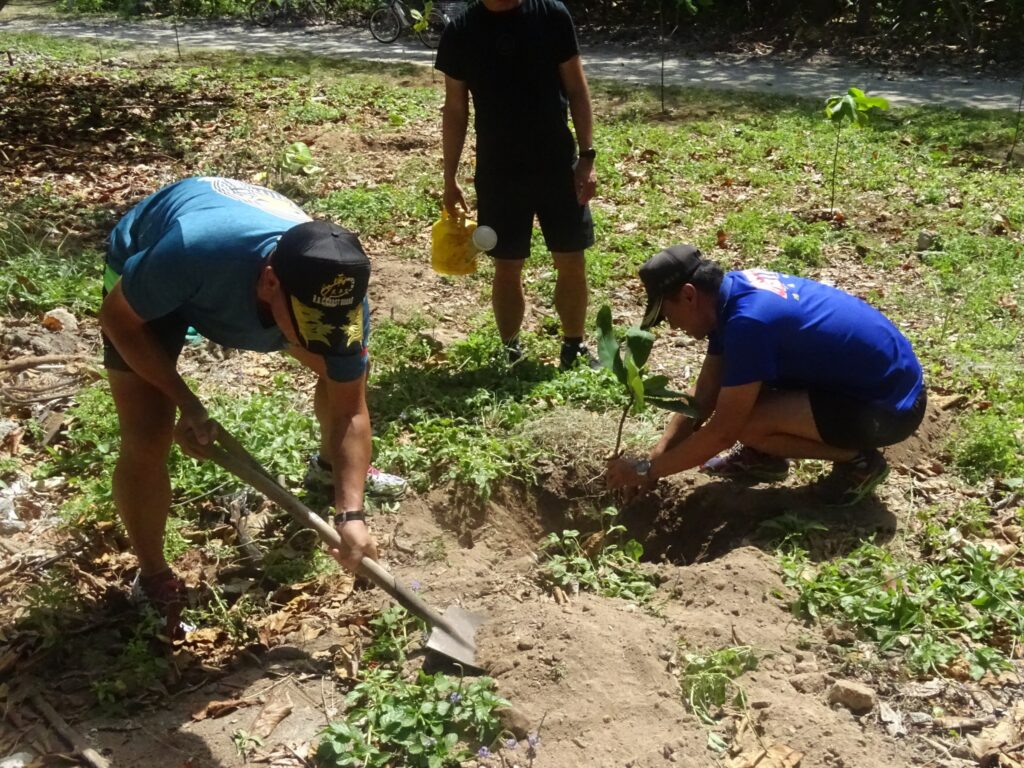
x,y
813,78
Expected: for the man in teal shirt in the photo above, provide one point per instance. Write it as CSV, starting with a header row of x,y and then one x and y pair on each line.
x,y
248,269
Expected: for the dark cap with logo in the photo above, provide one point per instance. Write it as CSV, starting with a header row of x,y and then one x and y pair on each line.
x,y
663,274
324,272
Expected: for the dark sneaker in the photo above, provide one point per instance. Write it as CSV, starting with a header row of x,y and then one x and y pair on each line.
x,y
746,463
513,352
577,353
319,479
858,479
167,595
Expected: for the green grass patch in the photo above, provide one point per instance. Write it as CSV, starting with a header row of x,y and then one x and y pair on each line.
x,y
962,607
38,273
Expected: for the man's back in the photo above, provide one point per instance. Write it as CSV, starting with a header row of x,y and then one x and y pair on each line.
x,y
791,331
196,247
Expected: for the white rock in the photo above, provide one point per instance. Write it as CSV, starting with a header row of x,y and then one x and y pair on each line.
x,y
60,319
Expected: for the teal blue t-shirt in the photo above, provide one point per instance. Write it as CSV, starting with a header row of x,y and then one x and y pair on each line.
x,y
196,247
792,332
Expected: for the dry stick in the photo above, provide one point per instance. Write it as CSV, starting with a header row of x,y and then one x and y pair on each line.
x,y
21,363
71,736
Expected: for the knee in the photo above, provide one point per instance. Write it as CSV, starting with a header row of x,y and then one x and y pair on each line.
x,y
508,273
571,266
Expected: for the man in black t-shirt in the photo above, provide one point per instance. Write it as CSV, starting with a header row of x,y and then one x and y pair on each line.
x,y
520,61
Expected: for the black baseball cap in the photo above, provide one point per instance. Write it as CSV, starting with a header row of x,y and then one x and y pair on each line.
x,y
664,273
324,272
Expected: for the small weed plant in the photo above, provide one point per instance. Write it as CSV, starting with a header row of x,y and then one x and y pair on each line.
x,y
136,668
394,631
707,680
426,722
607,568
964,608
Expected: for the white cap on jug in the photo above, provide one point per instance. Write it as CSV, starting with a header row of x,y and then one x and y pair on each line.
x,y
485,238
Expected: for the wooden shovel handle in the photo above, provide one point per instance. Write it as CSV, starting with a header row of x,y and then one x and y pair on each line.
x,y
232,456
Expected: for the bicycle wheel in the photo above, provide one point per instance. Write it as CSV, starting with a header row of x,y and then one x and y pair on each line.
x,y
264,12
385,25
430,35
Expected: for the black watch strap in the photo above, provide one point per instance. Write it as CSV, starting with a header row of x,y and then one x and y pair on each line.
x,y
588,154
340,518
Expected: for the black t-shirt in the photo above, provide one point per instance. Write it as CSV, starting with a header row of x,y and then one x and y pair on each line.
x,y
510,62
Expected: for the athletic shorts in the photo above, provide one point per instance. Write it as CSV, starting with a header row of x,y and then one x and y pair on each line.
x,y
845,422
507,203
170,333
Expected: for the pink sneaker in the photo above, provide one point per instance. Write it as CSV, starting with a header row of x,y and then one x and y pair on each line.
x,y
746,463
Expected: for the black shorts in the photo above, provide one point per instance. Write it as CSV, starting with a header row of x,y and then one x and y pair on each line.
x,y
170,333
507,202
845,422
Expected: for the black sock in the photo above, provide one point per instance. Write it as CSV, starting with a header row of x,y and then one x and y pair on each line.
x,y
512,343
572,341
323,464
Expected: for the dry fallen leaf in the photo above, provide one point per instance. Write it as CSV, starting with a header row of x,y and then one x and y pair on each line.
x,y
220,708
271,717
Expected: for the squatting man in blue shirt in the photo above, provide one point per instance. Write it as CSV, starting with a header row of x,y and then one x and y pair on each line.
x,y
248,269
794,370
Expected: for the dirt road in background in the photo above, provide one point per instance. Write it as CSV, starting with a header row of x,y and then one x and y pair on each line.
x,y
816,77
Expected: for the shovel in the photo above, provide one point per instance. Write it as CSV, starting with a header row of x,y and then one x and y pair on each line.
x,y
451,635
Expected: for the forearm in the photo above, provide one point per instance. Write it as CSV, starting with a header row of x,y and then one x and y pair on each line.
x,y
349,442
454,123
583,119
690,452
582,116
679,428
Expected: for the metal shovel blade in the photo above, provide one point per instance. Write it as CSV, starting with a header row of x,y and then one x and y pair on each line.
x,y
455,635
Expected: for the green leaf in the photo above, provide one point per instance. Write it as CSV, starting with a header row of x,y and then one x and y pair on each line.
x,y
608,345
639,342
684,405
633,549
655,383
635,382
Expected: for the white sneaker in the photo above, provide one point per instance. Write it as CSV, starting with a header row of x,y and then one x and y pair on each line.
x,y
320,479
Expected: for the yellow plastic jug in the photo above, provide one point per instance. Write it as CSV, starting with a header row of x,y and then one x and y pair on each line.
x,y
452,250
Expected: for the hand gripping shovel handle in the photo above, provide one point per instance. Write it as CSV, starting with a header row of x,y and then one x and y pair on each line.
x,y
233,457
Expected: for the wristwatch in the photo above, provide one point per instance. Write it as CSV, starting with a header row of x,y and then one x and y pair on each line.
x,y
588,154
345,517
642,467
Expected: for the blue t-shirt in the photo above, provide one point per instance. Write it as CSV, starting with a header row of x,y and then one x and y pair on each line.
x,y
791,332
196,248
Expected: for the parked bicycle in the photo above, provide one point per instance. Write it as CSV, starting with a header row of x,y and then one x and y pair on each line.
x,y
267,12
394,17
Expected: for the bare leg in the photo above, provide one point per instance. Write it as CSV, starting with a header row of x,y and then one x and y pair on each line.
x,y
142,486
571,292
782,424
507,297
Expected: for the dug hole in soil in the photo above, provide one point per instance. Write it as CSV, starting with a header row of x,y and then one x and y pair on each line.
x,y
598,677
